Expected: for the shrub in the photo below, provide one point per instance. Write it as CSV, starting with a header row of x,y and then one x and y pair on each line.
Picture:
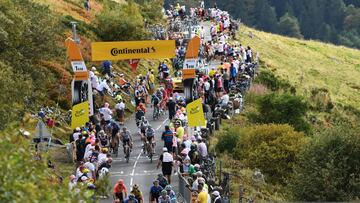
x,y
25,179
328,167
228,140
121,22
271,148
284,109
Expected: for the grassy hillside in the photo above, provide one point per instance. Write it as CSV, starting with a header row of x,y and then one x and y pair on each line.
x,y
309,64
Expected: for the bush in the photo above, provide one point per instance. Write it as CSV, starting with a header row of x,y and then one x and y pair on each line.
x,y
121,22
271,148
25,178
284,109
228,140
328,167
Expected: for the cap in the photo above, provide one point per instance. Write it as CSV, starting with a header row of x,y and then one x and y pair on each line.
x,y
216,193
165,149
93,68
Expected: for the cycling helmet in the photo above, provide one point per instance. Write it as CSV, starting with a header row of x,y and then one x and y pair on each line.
x,y
168,187
136,186
163,192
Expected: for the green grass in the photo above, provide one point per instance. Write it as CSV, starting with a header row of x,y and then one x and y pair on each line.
x,y
321,65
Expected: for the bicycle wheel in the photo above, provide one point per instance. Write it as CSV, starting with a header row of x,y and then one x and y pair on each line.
x,y
127,157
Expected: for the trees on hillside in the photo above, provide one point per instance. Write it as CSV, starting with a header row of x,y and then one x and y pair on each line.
x,y
289,26
328,167
333,21
121,22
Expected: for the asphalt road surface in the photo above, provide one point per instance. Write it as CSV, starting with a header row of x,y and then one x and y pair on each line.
x,y
139,170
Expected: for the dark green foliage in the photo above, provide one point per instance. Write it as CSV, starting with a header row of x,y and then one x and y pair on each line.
x,y
121,23
228,140
328,167
289,26
284,109
28,35
335,21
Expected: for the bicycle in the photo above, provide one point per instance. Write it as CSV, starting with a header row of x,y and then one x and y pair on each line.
x,y
149,147
156,113
127,152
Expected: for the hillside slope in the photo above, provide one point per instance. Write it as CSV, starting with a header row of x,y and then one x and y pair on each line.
x,y
309,64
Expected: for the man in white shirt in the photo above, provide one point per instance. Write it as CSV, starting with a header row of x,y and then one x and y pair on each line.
x,y
76,134
106,112
93,78
103,87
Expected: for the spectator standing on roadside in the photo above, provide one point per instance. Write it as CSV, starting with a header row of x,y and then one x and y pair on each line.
x,y
87,5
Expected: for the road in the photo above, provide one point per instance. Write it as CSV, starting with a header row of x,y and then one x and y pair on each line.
x,y
139,170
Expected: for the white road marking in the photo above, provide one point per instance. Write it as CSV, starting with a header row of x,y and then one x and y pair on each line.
x,y
133,171
161,124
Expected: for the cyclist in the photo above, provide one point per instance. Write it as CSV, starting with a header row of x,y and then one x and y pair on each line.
x,y
155,191
150,137
164,198
120,190
131,199
139,114
138,195
171,193
126,138
155,100
162,180
143,126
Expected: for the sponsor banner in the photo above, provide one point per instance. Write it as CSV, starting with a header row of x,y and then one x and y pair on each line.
x,y
158,49
193,48
195,113
80,115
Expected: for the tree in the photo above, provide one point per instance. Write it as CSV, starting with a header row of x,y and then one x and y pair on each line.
x,y
289,26
271,148
265,16
121,22
284,109
25,179
328,167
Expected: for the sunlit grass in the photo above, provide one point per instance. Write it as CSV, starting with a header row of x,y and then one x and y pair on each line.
x,y
309,64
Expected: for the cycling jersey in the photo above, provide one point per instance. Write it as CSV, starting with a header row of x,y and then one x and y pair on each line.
x,y
125,135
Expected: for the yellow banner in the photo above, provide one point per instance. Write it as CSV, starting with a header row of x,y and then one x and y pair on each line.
x,y
133,50
195,114
80,115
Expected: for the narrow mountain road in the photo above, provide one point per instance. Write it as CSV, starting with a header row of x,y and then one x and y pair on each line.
x,y
139,170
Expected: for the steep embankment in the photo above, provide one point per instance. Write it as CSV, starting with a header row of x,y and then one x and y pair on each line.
x,y
309,64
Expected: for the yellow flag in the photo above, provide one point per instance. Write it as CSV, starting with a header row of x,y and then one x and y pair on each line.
x,y
195,114
158,49
80,115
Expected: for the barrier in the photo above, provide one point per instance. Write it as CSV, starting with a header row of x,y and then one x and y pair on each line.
x,y
184,189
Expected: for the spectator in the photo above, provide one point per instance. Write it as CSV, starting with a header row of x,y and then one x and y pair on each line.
x,y
203,195
217,197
